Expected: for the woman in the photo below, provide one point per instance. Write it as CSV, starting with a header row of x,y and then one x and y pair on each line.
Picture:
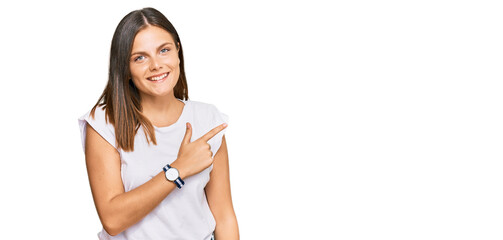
x,y
157,162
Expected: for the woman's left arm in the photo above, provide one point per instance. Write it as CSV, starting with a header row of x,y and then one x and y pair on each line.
x,y
218,192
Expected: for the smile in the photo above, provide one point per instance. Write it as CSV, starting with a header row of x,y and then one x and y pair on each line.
x,y
158,77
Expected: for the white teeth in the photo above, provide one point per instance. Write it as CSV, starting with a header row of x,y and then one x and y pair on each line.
x,y
160,77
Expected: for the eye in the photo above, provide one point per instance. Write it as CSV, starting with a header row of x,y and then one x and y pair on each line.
x,y
164,50
139,58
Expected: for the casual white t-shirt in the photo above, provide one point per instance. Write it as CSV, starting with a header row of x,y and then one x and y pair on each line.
x,y
184,213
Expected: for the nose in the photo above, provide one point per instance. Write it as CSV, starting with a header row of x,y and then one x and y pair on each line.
x,y
154,64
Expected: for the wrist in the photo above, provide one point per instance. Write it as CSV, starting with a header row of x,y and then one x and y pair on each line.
x,y
173,175
181,170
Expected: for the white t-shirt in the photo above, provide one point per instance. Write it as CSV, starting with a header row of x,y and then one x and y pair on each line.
x,y
184,213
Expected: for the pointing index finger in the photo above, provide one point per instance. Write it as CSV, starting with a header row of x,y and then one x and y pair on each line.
x,y
206,137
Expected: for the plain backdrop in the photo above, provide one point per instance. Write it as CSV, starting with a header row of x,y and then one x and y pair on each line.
x,y
348,119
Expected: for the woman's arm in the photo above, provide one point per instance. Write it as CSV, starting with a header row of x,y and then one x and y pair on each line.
x,y
118,209
218,192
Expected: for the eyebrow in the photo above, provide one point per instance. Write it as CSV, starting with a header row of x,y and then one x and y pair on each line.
x,y
145,53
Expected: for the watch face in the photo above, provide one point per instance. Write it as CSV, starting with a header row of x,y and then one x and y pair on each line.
x,y
172,174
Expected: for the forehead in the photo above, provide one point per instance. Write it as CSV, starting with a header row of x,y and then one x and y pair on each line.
x,y
150,38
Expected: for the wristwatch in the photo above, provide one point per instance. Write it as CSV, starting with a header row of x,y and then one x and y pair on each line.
x,y
173,175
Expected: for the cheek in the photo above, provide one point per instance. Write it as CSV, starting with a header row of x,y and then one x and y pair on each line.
x,y
177,70
177,66
133,70
137,71
172,61
136,79
136,83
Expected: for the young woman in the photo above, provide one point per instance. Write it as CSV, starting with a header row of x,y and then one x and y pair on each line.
x,y
157,162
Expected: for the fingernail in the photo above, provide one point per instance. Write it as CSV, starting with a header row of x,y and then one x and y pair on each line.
x,y
225,124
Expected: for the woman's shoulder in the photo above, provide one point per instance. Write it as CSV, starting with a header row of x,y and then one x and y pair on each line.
x,y
97,114
202,108
99,121
200,104
209,112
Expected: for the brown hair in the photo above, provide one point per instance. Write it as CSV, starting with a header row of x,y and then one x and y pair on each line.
x,y
121,99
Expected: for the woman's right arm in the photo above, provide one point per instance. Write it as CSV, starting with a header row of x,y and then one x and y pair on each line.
x,y
118,209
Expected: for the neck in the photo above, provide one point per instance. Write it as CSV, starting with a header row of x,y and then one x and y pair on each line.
x,y
159,105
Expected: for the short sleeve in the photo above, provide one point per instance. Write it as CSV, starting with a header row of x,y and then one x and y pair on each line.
x,y
216,119
99,124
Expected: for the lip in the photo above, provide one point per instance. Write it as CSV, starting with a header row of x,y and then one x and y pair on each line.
x,y
158,75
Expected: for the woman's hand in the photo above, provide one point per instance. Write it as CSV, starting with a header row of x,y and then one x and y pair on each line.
x,y
194,157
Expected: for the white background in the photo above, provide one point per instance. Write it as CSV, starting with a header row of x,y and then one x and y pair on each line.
x,y
348,119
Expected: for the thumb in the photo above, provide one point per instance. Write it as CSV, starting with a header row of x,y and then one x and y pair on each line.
x,y
188,134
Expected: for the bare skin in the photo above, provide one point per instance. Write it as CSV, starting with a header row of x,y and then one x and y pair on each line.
x,y
155,54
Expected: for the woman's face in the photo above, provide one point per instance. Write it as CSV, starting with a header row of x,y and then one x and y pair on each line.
x,y
154,62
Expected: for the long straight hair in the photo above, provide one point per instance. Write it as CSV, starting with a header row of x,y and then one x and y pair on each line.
x,y
121,99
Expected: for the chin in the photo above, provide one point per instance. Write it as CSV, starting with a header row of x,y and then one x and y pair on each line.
x,y
163,93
